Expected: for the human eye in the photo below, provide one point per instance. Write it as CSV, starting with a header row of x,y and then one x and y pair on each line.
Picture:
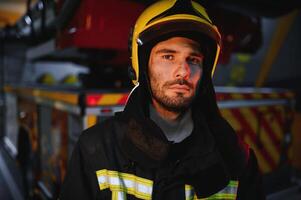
x,y
195,60
168,57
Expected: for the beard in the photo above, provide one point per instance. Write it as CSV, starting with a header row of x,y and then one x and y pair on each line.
x,y
175,103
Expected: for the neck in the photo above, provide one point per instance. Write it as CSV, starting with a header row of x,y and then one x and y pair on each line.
x,y
166,114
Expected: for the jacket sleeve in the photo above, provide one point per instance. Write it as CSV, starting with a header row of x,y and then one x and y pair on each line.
x,y
80,181
250,184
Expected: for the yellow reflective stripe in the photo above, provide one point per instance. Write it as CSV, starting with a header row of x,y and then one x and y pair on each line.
x,y
229,192
114,195
222,196
118,195
230,189
233,184
122,183
189,193
125,183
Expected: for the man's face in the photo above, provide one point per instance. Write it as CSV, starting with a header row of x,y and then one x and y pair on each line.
x,y
175,68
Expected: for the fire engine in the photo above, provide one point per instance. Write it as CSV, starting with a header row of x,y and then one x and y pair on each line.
x,y
45,115
46,123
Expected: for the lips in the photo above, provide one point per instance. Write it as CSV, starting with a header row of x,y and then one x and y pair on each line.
x,y
180,87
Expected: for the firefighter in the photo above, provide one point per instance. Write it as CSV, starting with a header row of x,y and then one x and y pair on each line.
x,y
170,142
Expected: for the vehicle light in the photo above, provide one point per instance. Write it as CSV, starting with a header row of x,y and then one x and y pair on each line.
x,y
106,110
92,100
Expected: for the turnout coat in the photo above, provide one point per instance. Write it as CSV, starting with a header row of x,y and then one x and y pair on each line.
x,y
128,157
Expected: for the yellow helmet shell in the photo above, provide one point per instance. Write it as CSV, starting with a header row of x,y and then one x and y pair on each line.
x,y
167,17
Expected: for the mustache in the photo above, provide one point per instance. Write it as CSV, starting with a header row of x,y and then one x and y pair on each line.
x,y
180,82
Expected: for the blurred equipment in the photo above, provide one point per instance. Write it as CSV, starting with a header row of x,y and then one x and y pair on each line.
x,y
45,118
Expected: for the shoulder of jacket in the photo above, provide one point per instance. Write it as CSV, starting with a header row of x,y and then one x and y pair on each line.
x,y
98,134
233,149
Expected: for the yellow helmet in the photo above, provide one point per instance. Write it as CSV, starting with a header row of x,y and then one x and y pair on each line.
x,y
167,18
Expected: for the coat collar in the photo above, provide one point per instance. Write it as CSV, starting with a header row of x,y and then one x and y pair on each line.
x,y
209,156
146,139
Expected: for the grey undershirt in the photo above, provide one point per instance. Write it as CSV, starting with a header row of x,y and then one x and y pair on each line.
x,y
174,131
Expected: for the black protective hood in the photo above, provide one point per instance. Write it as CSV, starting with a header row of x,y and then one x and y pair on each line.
x,y
214,150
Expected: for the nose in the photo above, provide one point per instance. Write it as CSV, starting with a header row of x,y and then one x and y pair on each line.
x,y
183,70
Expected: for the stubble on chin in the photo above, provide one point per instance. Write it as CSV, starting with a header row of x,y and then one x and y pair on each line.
x,y
175,103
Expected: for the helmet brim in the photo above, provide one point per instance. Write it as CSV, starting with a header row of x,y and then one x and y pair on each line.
x,y
188,28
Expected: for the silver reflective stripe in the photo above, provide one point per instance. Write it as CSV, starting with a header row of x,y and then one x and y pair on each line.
x,y
121,196
118,195
231,188
228,193
189,192
122,183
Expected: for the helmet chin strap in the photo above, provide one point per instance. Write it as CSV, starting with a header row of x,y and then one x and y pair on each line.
x,y
131,73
